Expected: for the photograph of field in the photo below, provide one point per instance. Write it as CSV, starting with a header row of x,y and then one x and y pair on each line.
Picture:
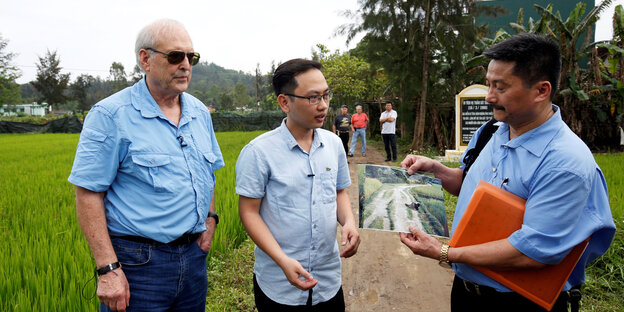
x,y
392,200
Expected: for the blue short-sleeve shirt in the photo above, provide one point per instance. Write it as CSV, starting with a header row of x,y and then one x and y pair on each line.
x,y
298,192
158,177
566,193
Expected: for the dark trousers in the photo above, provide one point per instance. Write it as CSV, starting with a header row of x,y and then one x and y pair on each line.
x,y
264,303
344,136
466,298
390,145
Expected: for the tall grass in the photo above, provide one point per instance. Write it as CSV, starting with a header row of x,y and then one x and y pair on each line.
x,y
44,258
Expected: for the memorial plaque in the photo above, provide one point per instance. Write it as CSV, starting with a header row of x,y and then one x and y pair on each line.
x,y
475,111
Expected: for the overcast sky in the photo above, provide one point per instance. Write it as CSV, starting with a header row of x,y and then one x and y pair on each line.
x,y
236,34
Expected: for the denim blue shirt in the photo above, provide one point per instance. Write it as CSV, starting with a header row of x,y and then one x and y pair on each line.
x,y
298,192
565,191
155,187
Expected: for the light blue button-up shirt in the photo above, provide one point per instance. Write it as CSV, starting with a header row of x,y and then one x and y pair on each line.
x,y
298,192
566,193
155,187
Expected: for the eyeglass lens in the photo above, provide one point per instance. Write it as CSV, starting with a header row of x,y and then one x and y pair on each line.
x,y
176,57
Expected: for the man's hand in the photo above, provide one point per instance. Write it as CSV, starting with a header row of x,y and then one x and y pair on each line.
x,y
205,239
293,271
351,236
415,163
421,243
113,290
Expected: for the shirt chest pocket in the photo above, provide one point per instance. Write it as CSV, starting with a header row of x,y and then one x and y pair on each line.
x,y
328,186
154,169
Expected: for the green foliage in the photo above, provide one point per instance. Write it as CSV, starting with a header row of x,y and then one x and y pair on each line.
x,y
9,89
50,83
117,77
350,77
371,185
230,284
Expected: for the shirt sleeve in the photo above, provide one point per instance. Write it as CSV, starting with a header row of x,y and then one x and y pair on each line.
x,y
252,173
553,222
97,154
216,150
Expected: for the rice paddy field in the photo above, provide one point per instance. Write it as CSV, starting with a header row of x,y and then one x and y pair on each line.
x,y
45,262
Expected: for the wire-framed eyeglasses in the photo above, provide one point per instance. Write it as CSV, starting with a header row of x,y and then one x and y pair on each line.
x,y
176,57
315,99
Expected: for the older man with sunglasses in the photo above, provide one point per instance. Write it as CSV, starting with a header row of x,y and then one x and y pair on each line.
x,y
144,176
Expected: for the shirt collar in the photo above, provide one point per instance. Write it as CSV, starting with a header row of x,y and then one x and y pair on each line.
x,y
536,140
290,139
143,101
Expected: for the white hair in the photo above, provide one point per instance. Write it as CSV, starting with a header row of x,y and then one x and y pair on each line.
x,y
149,35
359,106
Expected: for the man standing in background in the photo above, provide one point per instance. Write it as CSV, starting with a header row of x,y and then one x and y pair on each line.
x,y
388,130
341,127
144,176
359,121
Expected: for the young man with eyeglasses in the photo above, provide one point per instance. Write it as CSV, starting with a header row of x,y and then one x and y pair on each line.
x,y
292,189
144,176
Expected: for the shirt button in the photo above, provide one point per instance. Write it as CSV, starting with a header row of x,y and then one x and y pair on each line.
x,y
493,169
314,226
314,202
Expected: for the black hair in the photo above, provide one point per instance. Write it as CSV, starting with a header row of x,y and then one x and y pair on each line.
x,y
284,77
536,58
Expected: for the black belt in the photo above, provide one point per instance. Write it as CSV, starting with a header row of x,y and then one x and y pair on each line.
x,y
182,240
359,128
346,131
479,290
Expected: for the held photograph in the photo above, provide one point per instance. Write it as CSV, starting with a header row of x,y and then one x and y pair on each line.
x,y
392,200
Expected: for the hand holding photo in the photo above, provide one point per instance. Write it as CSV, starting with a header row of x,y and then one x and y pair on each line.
x,y
392,200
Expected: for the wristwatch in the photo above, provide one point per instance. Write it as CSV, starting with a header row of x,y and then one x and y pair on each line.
x,y
444,261
107,268
214,215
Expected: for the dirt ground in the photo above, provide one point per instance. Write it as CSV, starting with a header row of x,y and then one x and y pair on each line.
x,y
385,275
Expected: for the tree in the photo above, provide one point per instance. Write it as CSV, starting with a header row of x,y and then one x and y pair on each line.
x,y
9,89
79,90
50,83
117,76
567,33
241,97
136,75
410,39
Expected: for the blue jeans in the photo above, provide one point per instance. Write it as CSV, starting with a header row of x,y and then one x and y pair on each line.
x,y
358,133
163,277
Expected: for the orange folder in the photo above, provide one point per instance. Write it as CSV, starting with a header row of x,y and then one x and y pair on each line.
x,y
494,214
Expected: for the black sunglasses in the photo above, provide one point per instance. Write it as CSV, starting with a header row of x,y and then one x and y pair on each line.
x,y
176,57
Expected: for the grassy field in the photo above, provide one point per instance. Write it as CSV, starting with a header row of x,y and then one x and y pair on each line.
x,y
45,261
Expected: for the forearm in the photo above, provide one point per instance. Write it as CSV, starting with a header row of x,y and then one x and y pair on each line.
x,y
334,128
451,177
343,210
499,255
92,219
249,211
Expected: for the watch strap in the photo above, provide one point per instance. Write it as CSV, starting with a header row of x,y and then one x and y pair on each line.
x,y
444,255
212,214
107,268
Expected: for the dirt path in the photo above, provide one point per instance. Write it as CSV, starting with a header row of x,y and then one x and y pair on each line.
x,y
385,275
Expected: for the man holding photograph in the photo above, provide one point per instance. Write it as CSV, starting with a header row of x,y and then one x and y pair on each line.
x,y
534,155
